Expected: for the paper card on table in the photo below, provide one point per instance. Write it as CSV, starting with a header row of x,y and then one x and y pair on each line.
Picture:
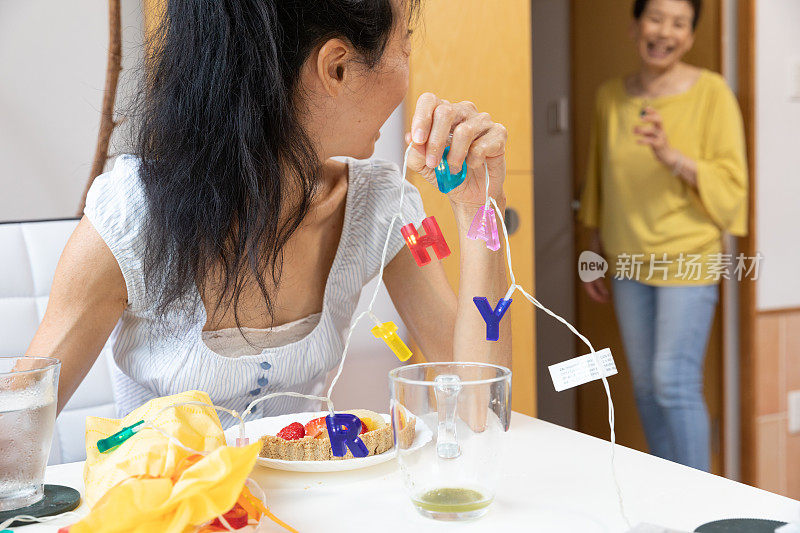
x,y
582,369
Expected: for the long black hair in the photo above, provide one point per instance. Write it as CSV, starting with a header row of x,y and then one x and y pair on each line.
x,y
228,172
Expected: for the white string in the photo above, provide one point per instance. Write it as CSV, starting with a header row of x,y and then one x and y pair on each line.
x,y
327,398
534,301
487,184
40,519
508,247
509,293
368,311
149,423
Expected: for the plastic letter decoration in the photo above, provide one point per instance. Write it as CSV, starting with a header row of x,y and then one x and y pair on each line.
x,y
446,181
343,430
484,226
418,244
387,332
492,317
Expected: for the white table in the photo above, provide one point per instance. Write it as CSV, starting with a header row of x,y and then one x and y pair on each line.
x,y
553,479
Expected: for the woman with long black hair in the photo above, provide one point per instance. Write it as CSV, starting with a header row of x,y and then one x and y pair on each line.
x,y
228,252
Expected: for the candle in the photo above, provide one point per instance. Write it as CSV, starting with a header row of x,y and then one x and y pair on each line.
x,y
387,332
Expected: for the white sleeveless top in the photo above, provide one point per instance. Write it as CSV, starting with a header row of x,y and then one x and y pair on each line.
x,y
149,364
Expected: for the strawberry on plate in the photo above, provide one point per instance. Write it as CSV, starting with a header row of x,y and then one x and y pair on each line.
x,y
293,431
316,428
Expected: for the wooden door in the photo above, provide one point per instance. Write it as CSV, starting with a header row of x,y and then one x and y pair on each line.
x,y
602,49
474,50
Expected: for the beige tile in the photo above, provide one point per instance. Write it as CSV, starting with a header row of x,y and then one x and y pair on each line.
x,y
767,365
793,466
791,348
770,454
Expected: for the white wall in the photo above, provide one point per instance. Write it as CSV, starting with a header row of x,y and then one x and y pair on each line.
x,y
777,152
53,60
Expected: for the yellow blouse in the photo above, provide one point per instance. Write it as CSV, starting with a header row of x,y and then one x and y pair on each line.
x,y
650,219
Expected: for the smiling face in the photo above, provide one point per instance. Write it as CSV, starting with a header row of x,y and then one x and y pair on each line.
x,y
664,32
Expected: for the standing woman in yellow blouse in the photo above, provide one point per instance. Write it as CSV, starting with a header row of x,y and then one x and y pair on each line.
x,y
666,177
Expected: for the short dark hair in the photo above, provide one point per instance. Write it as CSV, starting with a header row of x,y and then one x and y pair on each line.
x,y
639,5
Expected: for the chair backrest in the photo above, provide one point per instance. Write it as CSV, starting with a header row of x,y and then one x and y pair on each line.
x,y
30,252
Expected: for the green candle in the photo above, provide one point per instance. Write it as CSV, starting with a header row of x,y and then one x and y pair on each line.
x,y
109,443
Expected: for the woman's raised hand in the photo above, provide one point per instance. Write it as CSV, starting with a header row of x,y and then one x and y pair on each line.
x,y
655,137
476,139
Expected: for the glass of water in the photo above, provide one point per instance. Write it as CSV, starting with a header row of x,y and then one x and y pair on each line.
x,y
28,394
467,407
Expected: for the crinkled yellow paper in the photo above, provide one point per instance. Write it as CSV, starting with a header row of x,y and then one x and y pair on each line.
x,y
131,488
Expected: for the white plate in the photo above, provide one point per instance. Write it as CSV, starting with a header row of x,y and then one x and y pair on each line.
x,y
255,429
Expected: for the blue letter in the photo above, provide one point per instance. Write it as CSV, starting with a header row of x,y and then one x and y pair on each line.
x,y
492,318
343,430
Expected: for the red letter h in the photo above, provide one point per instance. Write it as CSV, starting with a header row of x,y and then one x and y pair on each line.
x,y
418,244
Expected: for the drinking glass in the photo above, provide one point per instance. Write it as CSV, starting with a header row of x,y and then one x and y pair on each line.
x,y
28,393
467,407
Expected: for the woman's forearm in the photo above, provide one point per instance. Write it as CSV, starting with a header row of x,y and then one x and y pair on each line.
x,y
683,167
482,273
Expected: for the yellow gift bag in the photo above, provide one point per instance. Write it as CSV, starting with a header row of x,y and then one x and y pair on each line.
x,y
150,483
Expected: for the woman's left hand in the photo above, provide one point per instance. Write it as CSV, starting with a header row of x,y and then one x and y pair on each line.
x,y
656,138
476,139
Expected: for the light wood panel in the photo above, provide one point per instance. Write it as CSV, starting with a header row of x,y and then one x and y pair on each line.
x,y
602,49
474,50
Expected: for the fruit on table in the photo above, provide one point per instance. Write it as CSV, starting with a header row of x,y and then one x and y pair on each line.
x,y
236,518
293,431
370,419
375,432
316,428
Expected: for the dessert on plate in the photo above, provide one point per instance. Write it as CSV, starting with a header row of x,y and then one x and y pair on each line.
x,y
310,442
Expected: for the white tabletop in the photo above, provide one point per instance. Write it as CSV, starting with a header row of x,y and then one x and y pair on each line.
x,y
553,479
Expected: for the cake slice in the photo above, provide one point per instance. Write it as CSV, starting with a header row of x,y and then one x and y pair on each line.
x,y
313,443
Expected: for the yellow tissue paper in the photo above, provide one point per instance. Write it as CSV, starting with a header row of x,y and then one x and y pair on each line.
x,y
137,487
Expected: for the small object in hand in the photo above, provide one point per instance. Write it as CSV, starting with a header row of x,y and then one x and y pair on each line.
x,y
643,112
490,316
484,227
388,333
293,431
444,179
418,244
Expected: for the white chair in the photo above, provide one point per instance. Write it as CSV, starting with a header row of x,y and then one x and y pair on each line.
x,y
30,252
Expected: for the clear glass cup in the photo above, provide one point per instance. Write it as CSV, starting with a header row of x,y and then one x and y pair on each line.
x,y
467,406
28,395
